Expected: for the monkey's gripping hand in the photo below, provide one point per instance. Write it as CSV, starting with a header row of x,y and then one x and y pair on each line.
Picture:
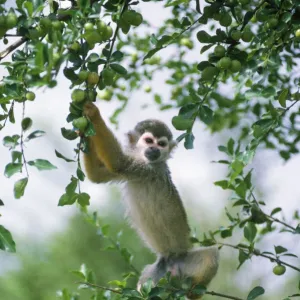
x,y
91,111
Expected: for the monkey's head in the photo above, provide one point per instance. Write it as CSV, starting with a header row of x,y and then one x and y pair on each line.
x,y
152,141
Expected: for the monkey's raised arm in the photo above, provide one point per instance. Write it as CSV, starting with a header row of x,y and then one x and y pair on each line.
x,y
105,144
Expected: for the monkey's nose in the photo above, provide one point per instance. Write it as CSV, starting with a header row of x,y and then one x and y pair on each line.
x,y
152,153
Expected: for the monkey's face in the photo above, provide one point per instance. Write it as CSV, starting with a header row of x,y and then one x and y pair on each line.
x,y
153,149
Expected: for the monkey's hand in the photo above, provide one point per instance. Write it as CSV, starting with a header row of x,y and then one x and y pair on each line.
x,y
91,111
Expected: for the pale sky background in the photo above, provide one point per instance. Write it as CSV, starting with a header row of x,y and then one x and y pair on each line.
x,y
36,215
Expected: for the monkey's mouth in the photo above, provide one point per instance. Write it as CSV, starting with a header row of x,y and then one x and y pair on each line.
x,y
152,154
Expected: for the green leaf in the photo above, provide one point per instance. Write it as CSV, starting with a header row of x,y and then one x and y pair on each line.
x,y
59,155
243,256
282,97
26,123
12,168
182,123
11,141
203,37
250,231
222,183
128,293
83,199
151,53
35,134
19,187
78,274
257,291
205,48
67,199
16,156
276,210
6,241
280,249
42,164
69,134
241,189
80,174
71,187
118,69
206,114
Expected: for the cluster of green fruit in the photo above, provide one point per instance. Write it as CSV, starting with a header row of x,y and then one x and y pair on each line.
x,y
97,33
224,63
7,22
48,27
246,36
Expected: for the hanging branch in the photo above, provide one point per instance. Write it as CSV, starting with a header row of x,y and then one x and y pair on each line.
x,y
258,253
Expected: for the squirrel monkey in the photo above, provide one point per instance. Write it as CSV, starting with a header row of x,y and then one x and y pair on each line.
x,y
152,200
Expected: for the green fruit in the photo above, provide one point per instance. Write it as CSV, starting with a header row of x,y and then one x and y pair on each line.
x,y
93,37
101,26
147,89
83,75
92,78
78,95
225,19
297,33
11,20
236,66
107,34
56,57
91,95
105,95
137,19
57,25
108,76
209,73
45,23
262,15
2,21
132,17
187,43
247,36
219,51
80,123
30,96
224,63
273,22
88,26
279,270
236,34
75,46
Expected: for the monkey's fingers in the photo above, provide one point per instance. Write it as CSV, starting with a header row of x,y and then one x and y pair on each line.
x,y
91,111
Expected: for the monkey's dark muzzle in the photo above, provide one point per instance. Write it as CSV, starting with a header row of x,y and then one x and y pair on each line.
x,y
152,153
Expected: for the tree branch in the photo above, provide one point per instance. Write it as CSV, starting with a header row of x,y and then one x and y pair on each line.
x,y
212,293
258,253
13,47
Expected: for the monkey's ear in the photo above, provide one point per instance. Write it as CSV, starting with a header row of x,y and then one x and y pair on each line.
x,y
172,145
132,137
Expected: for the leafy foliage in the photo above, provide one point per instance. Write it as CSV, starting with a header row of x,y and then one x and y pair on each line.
x,y
249,48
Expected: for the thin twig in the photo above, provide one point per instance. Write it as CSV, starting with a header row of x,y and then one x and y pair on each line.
x,y
212,293
13,47
22,142
257,253
99,287
116,33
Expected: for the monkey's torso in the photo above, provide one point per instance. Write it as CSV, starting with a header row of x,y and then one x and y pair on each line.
x,y
158,215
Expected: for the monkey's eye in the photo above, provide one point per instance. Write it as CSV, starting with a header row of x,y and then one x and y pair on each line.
x,y
149,140
162,144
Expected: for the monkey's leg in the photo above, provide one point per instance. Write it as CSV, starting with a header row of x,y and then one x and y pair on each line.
x,y
155,271
106,145
201,264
